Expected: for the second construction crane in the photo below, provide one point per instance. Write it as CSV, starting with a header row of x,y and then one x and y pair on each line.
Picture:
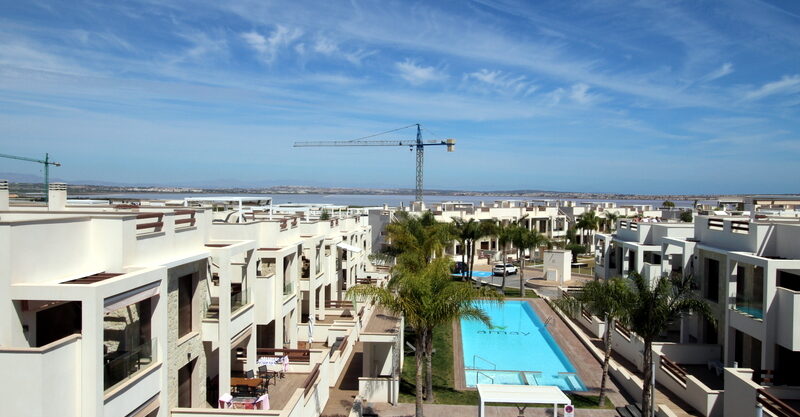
x,y
417,144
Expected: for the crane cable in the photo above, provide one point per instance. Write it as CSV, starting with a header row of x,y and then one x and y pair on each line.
x,y
382,133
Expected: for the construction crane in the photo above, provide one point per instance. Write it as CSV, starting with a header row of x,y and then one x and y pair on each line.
x,y
46,162
417,144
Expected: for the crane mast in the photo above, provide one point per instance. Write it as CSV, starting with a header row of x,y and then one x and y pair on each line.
x,y
46,162
417,144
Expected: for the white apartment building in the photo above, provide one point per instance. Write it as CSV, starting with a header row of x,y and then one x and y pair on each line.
x,y
748,270
544,219
151,309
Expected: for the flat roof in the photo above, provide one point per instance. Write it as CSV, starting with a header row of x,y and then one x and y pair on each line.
x,y
228,198
522,394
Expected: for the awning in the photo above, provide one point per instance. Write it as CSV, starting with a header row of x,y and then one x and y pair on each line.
x,y
133,296
347,247
521,394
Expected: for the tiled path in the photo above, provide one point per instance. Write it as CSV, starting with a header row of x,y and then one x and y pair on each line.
x,y
586,364
440,410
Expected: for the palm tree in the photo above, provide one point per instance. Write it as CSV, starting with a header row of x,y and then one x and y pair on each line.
x,y
479,230
418,239
608,299
462,230
652,309
611,220
505,234
524,239
586,222
426,298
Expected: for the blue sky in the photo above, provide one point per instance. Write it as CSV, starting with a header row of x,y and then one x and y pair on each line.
x,y
592,95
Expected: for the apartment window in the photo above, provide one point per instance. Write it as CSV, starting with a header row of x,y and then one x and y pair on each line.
x,y
185,295
712,280
789,281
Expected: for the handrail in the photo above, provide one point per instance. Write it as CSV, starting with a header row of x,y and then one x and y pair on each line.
x,y
479,373
295,355
309,382
343,345
622,329
775,405
483,359
673,368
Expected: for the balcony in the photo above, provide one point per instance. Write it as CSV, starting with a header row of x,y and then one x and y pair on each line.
x,y
123,365
750,307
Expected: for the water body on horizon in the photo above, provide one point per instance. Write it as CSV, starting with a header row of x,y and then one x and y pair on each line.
x,y
368,200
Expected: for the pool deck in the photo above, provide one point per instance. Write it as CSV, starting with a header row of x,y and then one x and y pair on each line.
x,y
587,367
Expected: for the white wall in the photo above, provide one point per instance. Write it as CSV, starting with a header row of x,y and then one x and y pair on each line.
x,y
42,382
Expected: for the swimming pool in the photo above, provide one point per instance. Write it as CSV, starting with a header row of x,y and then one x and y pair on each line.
x,y
476,274
518,350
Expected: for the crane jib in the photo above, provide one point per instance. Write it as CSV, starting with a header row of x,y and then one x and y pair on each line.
x,y
419,144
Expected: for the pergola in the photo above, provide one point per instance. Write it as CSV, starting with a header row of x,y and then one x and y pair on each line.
x,y
521,394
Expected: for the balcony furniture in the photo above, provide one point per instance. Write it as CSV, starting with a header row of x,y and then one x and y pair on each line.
x,y
246,385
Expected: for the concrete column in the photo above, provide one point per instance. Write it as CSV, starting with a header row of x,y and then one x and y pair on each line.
x,y
279,267
252,355
92,374
322,300
224,324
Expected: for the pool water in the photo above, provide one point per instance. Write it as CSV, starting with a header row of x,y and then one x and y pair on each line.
x,y
517,350
477,274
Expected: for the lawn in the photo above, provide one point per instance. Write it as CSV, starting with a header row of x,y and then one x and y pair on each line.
x,y
443,386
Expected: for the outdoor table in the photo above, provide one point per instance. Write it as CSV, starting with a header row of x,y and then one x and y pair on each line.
x,y
250,383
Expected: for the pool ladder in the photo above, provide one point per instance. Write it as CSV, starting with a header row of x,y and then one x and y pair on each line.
x,y
548,321
479,372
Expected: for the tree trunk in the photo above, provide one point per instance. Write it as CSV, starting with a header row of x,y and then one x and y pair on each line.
x,y
429,365
419,355
463,262
647,388
521,273
472,262
606,358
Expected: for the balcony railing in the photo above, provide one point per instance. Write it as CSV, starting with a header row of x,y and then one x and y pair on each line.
x,y
122,365
239,299
288,288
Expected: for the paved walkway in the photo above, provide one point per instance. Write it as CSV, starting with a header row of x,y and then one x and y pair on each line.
x,y
441,410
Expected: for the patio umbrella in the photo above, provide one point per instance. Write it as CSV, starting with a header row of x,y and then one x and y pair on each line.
x,y
310,330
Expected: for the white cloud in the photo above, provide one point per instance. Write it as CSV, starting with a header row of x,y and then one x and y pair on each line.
x,y
418,74
500,81
329,47
788,84
325,46
269,47
577,93
720,72
580,94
